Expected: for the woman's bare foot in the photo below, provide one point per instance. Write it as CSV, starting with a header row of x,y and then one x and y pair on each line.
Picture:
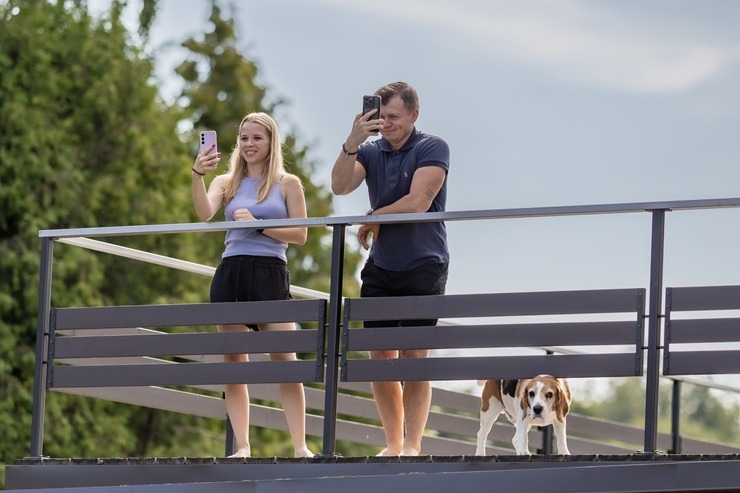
x,y
241,453
410,452
388,453
303,452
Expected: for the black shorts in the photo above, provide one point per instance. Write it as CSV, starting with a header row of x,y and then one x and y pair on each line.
x,y
427,279
250,278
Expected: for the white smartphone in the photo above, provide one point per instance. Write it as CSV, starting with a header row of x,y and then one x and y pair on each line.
x,y
207,139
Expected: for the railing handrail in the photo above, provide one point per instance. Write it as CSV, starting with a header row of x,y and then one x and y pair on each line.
x,y
554,211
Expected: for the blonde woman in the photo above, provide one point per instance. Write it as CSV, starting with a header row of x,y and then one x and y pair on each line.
x,y
253,266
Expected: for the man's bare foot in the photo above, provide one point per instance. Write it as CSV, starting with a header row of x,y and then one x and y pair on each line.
x,y
303,452
388,453
241,453
410,452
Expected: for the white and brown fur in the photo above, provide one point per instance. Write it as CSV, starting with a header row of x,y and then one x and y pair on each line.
x,y
539,401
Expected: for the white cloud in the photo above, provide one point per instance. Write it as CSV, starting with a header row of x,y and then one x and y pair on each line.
x,y
571,40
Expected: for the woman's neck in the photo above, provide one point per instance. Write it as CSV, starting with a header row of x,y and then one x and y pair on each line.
x,y
254,171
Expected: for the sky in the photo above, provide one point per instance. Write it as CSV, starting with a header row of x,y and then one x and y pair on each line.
x,y
542,102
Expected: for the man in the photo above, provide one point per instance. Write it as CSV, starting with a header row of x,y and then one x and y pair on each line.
x,y
406,172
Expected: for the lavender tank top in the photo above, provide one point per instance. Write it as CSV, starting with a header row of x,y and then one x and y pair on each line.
x,y
250,242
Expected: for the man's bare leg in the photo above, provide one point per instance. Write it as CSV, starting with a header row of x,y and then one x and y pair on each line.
x,y
417,399
389,400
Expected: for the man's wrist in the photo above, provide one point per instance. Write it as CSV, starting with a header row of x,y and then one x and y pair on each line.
x,y
347,151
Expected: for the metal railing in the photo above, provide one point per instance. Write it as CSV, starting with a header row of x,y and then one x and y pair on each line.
x,y
331,353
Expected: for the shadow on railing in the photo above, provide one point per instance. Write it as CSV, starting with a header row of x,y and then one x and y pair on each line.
x,y
75,352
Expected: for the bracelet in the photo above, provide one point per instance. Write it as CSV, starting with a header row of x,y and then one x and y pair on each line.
x,y
198,172
347,153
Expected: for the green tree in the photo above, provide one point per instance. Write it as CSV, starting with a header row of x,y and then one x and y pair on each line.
x,y
84,137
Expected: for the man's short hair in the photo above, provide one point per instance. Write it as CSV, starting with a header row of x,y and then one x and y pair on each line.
x,y
408,94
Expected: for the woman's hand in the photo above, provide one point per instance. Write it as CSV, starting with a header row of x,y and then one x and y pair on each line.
x,y
243,215
206,161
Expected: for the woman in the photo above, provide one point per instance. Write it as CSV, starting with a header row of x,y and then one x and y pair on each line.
x,y
253,265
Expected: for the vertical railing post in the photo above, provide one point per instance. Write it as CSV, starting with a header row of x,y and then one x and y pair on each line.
x,y
654,317
676,418
39,381
547,431
230,445
332,346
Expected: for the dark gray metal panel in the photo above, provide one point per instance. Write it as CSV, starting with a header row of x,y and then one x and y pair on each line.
x,y
605,430
190,314
484,336
158,398
692,446
605,474
210,487
478,368
496,304
702,363
705,330
186,374
705,298
187,344
633,478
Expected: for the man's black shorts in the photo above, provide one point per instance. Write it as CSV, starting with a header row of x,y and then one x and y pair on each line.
x,y
250,278
427,279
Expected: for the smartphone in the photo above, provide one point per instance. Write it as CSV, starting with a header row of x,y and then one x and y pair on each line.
x,y
207,139
370,103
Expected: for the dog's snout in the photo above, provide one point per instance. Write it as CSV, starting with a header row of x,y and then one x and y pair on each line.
x,y
537,409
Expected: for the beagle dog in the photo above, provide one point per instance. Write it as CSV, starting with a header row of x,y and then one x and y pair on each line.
x,y
540,401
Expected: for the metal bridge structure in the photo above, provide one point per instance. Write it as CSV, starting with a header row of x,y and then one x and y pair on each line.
x,y
656,333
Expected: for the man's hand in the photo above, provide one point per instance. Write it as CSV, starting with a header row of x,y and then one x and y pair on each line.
x,y
367,230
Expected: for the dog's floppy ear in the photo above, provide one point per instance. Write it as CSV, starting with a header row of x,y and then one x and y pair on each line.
x,y
562,401
522,390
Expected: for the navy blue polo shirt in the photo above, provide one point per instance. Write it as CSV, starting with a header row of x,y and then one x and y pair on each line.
x,y
388,175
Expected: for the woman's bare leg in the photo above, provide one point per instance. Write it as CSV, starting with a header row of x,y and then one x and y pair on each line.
x,y
292,398
237,400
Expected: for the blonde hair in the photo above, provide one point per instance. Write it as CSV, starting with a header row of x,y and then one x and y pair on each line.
x,y
275,168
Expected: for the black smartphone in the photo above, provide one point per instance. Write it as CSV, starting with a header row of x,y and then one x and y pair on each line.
x,y
370,103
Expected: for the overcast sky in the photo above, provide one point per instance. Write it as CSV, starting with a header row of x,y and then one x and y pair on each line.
x,y
543,103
